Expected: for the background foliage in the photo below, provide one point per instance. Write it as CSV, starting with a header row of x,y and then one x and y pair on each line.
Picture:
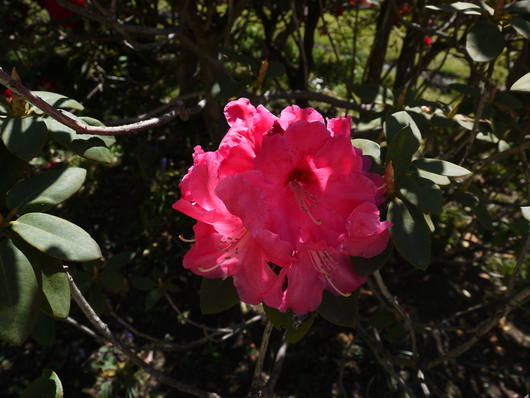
x,y
426,84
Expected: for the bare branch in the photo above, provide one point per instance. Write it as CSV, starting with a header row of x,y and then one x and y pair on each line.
x,y
278,363
102,328
257,378
81,128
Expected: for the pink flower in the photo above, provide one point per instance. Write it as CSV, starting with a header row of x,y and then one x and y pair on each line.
x,y
281,205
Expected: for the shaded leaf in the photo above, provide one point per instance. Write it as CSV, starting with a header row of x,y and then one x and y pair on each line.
x,y
382,319
114,281
44,330
19,294
441,167
518,7
339,310
144,283
397,121
217,295
367,266
25,136
296,326
152,298
484,41
422,193
521,26
275,69
410,233
89,146
119,260
96,299
43,191
400,151
11,169
56,237
46,386
225,87
465,89
55,286
374,93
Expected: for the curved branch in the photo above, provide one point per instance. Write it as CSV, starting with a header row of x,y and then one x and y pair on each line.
x,y
104,330
81,128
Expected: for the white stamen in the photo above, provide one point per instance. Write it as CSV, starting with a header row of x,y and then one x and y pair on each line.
x,y
232,246
325,265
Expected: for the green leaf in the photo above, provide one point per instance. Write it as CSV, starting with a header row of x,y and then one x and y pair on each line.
x,y
382,319
217,295
367,266
275,69
44,330
46,386
55,286
89,146
119,260
240,58
11,169
152,298
24,136
296,326
144,283
526,212
400,151
374,93
507,99
521,26
441,167
339,310
522,85
56,237
465,89
58,100
225,87
455,7
477,206
484,42
19,294
108,139
421,192
46,190
113,280
437,178
396,121
519,7
369,147
410,233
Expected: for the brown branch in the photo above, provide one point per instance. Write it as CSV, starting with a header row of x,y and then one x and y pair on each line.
x,y
256,386
104,330
482,329
81,128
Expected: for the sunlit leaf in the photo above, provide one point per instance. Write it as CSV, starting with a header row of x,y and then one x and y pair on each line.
x,y
442,167
56,237
24,136
518,7
46,386
217,295
521,26
369,147
396,121
46,190
58,100
55,286
522,84
526,212
455,7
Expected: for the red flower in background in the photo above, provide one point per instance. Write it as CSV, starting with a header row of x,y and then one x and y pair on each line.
x,y
58,12
7,94
427,41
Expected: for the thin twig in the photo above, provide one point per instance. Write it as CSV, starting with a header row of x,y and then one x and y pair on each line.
x,y
482,329
517,270
83,328
102,328
401,312
278,363
257,380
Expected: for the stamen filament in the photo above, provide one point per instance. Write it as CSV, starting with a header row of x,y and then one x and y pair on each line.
x,y
182,238
303,198
324,264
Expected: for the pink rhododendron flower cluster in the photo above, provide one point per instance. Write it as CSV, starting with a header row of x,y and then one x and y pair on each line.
x,y
281,205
